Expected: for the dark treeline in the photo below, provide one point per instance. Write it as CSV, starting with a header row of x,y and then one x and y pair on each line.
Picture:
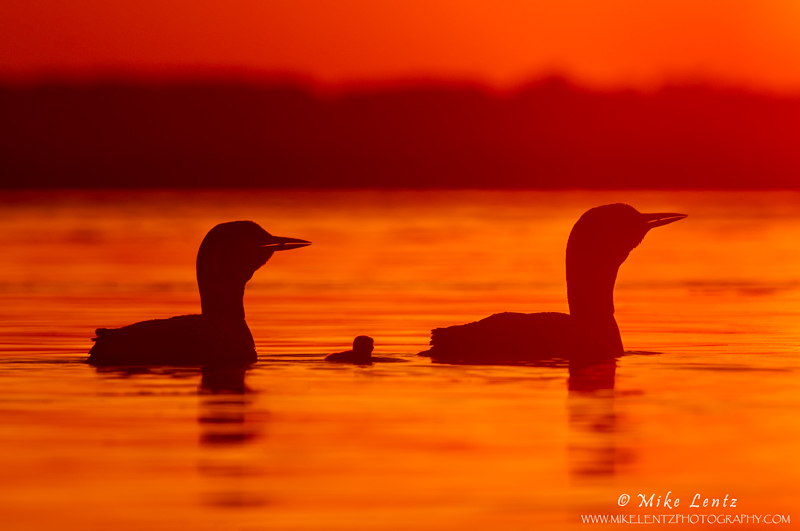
x,y
549,134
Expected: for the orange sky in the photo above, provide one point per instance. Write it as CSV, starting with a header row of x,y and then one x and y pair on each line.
x,y
603,42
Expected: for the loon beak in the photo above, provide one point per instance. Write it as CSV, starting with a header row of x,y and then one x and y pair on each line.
x,y
279,243
656,220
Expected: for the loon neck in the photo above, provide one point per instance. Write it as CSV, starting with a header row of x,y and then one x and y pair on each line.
x,y
223,300
590,292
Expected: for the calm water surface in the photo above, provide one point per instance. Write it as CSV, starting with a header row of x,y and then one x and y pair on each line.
x,y
710,407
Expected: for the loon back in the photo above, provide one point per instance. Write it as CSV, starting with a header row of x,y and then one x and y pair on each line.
x,y
185,340
511,338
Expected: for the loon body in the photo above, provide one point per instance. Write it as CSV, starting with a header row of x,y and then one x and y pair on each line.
x,y
360,355
228,256
599,243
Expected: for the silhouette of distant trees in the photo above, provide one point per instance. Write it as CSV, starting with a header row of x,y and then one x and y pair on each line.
x,y
549,134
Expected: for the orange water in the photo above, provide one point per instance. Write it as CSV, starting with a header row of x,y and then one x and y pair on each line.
x,y
406,445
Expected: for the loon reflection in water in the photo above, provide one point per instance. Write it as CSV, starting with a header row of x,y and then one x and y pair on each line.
x,y
598,245
228,256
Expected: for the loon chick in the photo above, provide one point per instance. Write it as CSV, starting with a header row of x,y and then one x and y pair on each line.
x,y
599,243
228,256
360,355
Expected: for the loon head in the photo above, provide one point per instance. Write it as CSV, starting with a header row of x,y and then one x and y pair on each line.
x,y
605,235
363,345
599,243
235,250
229,255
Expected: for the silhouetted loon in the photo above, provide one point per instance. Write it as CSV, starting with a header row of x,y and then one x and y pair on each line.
x,y
360,355
228,257
599,243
